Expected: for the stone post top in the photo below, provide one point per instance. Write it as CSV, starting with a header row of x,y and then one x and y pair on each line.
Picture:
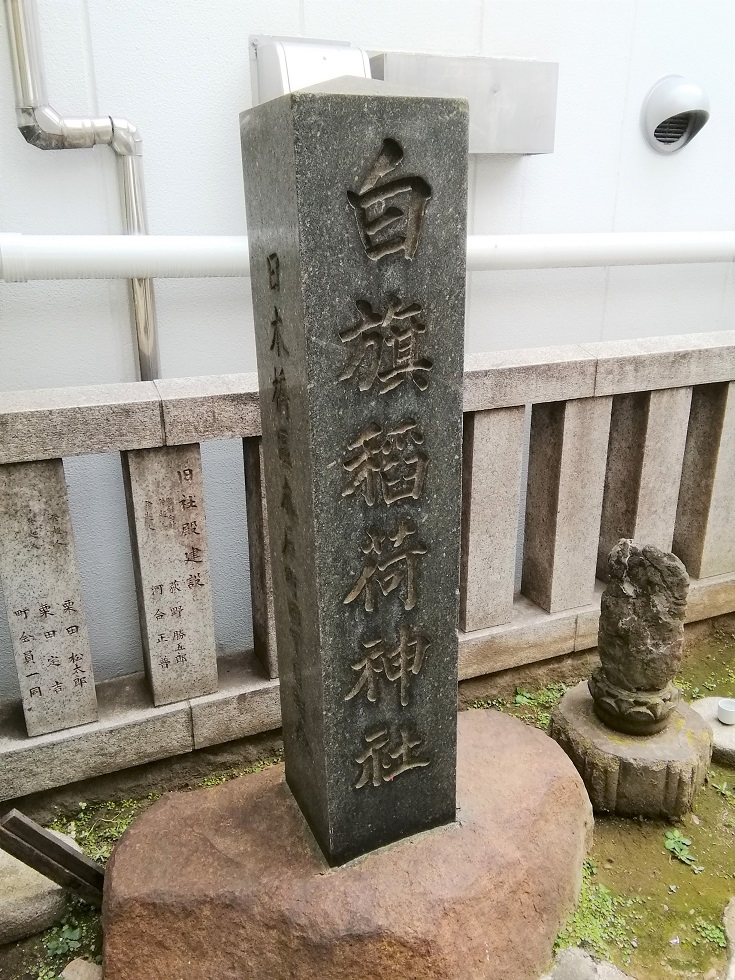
x,y
353,86
642,569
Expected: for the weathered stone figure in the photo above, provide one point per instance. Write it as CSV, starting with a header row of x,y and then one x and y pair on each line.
x,y
640,639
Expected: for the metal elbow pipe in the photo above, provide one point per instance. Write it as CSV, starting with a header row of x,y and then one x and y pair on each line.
x,y
43,127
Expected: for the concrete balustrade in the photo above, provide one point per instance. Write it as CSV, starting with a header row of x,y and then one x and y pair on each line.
x,y
631,438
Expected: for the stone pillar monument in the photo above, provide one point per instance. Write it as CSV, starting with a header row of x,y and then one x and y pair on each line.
x,y
356,206
356,199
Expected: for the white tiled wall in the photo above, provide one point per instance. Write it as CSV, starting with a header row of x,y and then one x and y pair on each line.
x,y
180,72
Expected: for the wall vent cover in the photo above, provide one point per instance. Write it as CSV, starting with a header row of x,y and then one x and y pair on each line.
x,y
673,129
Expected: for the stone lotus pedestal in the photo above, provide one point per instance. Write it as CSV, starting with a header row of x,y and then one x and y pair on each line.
x,y
229,883
632,775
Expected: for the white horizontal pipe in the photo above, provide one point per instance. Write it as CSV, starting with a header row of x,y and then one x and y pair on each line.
x,y
25,257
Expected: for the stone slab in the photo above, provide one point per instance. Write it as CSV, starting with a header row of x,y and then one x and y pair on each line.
x,y
222,406
168,533
246,703
566,474
29,902
130,731
501,379
228,881
51,422
356,199
711,597
632,775
723,736
728,920
531,635
492,449
43,598
663,362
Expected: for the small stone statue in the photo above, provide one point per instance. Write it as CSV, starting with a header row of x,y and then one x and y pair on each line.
x,y
640,639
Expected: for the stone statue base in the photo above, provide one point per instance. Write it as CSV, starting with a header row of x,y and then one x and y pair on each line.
x,y
632,712
228,882
634,775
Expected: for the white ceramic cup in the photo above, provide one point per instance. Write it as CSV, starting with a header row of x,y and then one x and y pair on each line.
x,y
726,711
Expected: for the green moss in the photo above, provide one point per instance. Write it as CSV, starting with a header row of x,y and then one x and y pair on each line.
x,y
533,707
640,906
601,919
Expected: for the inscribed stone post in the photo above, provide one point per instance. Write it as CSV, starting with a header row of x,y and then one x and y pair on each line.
x,y
43,598
356,199
168,532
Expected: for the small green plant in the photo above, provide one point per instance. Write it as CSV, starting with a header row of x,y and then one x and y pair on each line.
x,y
685,687
97,827
600,919
711,932
725,791
79,934
678,845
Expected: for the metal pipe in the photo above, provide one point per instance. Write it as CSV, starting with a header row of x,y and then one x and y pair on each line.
x,y
24,257
43,127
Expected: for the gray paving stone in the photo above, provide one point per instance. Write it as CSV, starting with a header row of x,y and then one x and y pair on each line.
x,y
29,902
80,969
576,964
723,736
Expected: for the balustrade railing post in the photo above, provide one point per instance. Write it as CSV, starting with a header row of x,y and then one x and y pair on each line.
x,y
43,598
491,476
644,459
261,579
566,473
168,533
704,538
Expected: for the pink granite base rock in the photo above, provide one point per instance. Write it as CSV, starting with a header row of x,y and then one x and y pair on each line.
x,y
228,883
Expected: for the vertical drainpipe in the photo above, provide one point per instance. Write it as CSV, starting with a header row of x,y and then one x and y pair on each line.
x,y
43,127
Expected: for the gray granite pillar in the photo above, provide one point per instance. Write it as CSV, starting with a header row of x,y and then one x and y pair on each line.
x,y
491,488
356,200
644,458
704,538
43,598
168,534
566,475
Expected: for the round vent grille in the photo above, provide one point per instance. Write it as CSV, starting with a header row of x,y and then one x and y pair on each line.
x,y
673,113
671,130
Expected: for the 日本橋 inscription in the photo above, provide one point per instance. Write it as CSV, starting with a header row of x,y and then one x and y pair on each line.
x,y
356,200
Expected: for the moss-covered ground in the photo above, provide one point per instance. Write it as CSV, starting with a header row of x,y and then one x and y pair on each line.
x,y
653,893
